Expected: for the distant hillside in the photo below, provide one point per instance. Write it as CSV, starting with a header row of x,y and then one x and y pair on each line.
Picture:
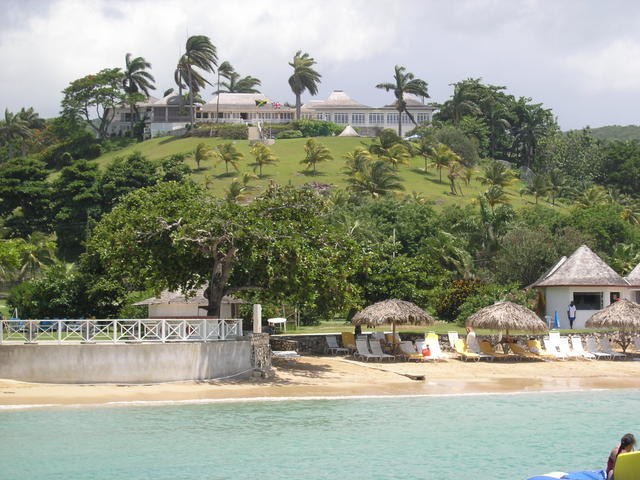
x,y
289,169
617,132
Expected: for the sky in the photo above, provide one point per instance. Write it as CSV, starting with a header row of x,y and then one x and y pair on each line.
x,y
581,58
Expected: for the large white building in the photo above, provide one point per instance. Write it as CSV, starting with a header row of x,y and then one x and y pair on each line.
x,y
589,282
169,113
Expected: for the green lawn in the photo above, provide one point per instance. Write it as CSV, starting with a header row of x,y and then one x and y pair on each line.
x,y
289,169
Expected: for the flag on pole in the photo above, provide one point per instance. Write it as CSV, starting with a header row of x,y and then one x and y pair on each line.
x,y
276,105
260,103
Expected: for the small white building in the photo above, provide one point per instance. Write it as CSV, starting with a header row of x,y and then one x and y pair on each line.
x,y
588,281
177,305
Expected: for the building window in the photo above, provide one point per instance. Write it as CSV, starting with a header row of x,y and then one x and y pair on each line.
x,y
392,118
357,118
376,118
422,118
588,301
341,118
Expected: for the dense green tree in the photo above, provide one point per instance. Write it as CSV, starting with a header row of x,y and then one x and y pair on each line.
x,y
199,55
531,125
280,244
304,78
456,140
124,175
173,168
621,165
76,202
24,196
578,155
314,153
463,102
96,96
403,84
605,224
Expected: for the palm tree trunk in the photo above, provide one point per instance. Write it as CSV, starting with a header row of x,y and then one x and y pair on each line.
x,y
218,100
298,106
132,122
191,112
400,123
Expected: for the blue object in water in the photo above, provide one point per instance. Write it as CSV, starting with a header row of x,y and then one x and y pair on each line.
x,y
585,475
556,321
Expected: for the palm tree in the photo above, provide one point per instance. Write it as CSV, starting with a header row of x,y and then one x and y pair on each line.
x,y
38,253
356,160
201,153
13,128
404,83
424,148
495,115
396,155
136,80
29,115
532,124
263,155
557,184
455,171
315,153
631,213
227,153
237,84
225,70
239,188
495,195
496,174
538,186
304,78
591,197
377,179
201,54
442,156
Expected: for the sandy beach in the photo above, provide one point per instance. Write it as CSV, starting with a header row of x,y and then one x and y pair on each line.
x,y
311,376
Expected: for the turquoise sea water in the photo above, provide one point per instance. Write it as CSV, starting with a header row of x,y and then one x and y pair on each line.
x,y
450,437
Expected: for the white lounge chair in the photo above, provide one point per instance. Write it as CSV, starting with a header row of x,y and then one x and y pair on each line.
x,y
333,347
592,347
362,351
565,349
453,336
576,343
376,349
436,352
552,349
605,346
420,346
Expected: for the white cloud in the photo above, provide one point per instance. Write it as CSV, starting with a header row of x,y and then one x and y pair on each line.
x,y
612,67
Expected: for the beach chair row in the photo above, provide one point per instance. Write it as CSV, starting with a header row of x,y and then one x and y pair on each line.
x,y
379,346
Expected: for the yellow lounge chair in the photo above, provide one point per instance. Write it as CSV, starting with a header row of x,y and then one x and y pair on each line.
x,y
521,352
349,341
487,349
462,351
627,466
535,347
408,352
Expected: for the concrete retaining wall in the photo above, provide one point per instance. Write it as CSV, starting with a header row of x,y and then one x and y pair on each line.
x,y
125,363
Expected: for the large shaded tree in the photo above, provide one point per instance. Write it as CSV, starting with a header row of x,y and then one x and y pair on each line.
x,y
175,236
404,83
304,77
95,98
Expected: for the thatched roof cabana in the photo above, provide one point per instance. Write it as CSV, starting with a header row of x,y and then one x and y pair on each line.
x,y
622,315
393,312
505,316
582,268
633,279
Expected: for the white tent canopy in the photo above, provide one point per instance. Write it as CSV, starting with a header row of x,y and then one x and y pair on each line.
x,y
349,132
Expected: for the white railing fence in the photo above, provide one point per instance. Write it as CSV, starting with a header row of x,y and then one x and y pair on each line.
x,y
120,330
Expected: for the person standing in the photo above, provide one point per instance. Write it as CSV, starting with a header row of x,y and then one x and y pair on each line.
x,y
472,341
571,313
626,445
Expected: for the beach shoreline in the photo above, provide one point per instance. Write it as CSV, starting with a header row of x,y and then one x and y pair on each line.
x,y
313,378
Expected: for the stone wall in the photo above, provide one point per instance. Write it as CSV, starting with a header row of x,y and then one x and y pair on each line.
x,y
260,353
126,363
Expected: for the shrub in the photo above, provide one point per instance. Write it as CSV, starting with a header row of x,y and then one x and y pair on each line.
x,y
290,134
489,294
316,128
230,131
94,151
451,298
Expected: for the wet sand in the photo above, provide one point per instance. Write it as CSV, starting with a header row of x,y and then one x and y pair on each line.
x,y
336,377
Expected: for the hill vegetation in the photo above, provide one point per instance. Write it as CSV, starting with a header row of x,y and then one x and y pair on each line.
x,y
616,132
460,213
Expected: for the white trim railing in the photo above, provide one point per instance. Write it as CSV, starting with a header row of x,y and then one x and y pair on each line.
x,y
141,330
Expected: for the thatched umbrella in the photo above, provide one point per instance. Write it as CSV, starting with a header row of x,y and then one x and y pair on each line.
x,y
623,315
394,312
505,316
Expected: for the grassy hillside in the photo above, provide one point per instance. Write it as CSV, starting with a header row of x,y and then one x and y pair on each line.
x,y
289,169
617,132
